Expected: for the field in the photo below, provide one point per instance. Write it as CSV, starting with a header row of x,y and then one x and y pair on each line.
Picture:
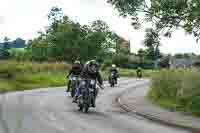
x,y
17,76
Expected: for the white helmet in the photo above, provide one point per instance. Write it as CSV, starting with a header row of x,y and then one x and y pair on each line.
x,y
77,62
113,65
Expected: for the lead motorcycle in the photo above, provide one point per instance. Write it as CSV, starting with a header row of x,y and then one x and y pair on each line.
x,y
88,93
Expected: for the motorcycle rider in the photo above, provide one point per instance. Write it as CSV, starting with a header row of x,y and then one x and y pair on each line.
x,y
139,72
75,70
90,72
113,69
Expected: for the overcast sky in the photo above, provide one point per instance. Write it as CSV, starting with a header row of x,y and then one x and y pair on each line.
x,y
23,18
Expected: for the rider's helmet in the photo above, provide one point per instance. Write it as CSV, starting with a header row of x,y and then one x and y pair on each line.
x,y
139,69
113,66
77,62
92,66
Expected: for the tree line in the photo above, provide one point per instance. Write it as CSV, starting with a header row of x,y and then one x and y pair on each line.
x,y
66,40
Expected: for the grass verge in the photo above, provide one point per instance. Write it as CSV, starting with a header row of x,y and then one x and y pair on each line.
x,y
176,90
18,76
32,81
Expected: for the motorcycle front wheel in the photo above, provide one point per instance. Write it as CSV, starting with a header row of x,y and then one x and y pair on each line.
x,y
85,109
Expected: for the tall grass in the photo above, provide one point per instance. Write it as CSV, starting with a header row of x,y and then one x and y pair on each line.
x,y
177,89
16,76
32,81
31,67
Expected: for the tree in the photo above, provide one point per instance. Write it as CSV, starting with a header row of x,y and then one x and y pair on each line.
x,y
141,54
5,48
164,62
120,60
152,42
100,26
196,64
185,55
37,49
115,39
67,40
55,14
165,15
108,38
6,43
179,56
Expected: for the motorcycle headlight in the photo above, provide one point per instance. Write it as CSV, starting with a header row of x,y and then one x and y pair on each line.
x,y
92,82
83,82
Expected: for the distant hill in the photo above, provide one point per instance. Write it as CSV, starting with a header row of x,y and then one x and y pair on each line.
x,y
18,43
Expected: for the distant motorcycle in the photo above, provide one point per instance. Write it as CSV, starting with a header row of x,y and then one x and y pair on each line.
x,y
74,84
112,79
139,74
88,94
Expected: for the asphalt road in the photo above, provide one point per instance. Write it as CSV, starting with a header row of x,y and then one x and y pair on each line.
x,y
51,111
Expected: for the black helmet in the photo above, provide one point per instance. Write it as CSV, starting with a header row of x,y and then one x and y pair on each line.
x,y
92,66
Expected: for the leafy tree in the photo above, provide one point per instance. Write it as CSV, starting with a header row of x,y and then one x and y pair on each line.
x,y
6,43
4,50
109,39
38,49
164,62
120,60
165,15
115,38
141,54
55,14
185,55
196,64
67,40
178,56
152,42
100,26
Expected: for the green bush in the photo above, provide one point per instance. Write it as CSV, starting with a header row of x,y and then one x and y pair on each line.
x,y
20,54
196,64
194,105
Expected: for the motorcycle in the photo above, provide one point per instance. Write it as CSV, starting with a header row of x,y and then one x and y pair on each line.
x,y
74,85
112,79
88,93
139,74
